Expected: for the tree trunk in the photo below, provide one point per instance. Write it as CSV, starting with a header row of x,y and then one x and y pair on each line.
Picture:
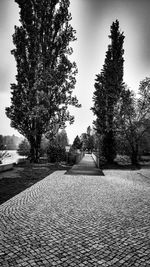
x,y
109,147
134,156
35,142
32,151
109,144
134,159
37,148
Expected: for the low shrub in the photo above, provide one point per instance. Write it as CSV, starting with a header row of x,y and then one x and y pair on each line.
x,y
24,148
56,153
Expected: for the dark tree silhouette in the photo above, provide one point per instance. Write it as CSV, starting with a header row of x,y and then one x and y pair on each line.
x,y
77,144
87,140
45,76
108,87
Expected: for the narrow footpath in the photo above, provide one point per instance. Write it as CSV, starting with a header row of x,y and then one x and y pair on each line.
x,y
86,166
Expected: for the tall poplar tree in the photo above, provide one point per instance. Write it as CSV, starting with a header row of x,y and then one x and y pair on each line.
x,y
108,87
45,76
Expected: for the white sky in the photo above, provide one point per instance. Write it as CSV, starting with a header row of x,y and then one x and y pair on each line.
x,y
91,20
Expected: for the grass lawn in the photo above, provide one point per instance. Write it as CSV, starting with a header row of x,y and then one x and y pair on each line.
x,y
23,176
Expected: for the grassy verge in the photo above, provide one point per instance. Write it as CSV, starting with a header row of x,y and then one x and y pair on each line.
x,y
23,176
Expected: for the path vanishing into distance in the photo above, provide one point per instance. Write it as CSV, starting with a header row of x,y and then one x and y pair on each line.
x,y
80,218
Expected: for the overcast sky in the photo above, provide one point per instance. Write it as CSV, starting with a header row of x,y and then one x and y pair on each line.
x,y
92,20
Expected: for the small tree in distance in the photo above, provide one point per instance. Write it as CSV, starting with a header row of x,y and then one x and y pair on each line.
x,y
84,141
77,144
87,140
56,148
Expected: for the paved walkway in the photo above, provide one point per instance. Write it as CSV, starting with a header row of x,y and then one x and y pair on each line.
x,y
79,220
85,167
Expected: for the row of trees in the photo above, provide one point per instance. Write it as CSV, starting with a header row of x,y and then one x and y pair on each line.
x,y
60,140
9,142
122,120
45,82
86,142
45,76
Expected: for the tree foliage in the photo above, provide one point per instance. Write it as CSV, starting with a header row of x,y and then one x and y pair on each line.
x,y
108,87
133,119
45,76
62,139
88,140
84,141
77,144
56,153
24,148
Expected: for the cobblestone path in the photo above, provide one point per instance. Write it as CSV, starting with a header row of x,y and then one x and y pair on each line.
x,y
67,221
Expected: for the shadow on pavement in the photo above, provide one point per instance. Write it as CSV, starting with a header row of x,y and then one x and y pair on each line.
x,y
123,167
85,172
